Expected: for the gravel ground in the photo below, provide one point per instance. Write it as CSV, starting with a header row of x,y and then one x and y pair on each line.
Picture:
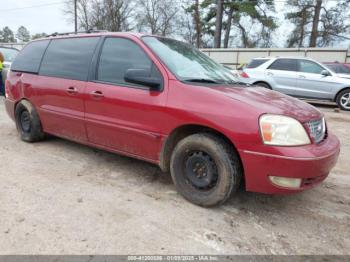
x,y
59,197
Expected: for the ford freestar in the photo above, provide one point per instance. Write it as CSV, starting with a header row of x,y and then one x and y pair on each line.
x,y
165,102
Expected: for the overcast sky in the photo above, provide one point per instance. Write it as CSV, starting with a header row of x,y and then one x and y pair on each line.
x,y
47,16
40,18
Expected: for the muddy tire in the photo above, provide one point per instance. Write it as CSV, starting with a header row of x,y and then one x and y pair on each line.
x,y
205,169
28,122
343,99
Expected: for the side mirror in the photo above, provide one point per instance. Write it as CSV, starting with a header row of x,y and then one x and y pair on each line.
x,y
325,73
142,77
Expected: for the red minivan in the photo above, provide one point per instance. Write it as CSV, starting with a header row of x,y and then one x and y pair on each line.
x,y
165,102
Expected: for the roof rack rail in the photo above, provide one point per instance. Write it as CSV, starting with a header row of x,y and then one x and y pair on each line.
x,y
90,31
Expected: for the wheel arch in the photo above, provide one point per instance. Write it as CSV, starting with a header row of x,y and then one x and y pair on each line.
x,y
263,82
341,90
183,131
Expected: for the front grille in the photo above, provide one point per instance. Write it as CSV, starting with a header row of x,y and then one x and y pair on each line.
x,y
317,129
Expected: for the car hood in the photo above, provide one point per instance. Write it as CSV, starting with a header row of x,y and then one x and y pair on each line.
x,y
268,101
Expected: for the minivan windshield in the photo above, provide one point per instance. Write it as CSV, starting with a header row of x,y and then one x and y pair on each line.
x,y
187,62
9,53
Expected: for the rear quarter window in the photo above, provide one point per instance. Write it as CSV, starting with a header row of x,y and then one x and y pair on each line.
x,y
69,58
29,58
256,62
284,65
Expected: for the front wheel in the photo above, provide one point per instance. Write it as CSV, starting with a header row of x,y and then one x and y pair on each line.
x,y
343,99
264,85
205,169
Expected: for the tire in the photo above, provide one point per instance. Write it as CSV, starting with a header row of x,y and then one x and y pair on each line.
x,y
205,169
28,122
343,99
264,85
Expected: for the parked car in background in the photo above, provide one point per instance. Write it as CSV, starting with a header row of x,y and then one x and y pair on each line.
x,y
165,102
9,55
299,77
234,72
339,68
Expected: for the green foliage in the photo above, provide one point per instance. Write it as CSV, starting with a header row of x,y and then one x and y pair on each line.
x,y
333,22
23,34
38,36
7,36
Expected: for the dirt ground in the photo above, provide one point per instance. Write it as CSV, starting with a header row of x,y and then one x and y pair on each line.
x,y
59,197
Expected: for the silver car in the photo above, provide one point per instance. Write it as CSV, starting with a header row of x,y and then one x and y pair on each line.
x,y
299,77
9,55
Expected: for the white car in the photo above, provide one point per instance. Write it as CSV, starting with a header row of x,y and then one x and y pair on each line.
x,y
299,77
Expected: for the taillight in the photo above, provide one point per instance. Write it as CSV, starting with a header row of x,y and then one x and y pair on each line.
x,y
244,75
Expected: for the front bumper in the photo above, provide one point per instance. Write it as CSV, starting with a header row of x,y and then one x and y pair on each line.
x,y
311,163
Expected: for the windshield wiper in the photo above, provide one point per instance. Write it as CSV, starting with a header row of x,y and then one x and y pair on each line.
x,y
202,80
237,83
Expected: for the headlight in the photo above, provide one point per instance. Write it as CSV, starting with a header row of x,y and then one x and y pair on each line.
x,y
282,131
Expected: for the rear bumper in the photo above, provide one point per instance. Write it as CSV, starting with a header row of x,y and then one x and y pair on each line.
x,y
10,108
313,168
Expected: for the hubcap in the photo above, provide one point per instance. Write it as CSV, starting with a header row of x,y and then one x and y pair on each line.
x,y
25,121
345,100
200,170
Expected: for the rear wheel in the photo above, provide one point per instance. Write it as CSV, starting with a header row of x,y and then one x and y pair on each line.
x,y
205,169
28,122
261,84
343,99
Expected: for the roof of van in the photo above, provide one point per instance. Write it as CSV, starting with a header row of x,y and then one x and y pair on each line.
x,y
86,34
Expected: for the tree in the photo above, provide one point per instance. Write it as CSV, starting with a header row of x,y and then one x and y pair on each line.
x,y
252,20
23,34
316,23
7,36
117,15
83,12
194,10
218,23
111,15
157,16
39,35
249,21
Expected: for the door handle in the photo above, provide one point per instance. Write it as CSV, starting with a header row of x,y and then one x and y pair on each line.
x,y
302,77
97,94
72,90
269,74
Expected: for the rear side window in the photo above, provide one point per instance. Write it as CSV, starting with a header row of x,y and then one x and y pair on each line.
x,y
29,59
69,58
256,62
284,65
120,54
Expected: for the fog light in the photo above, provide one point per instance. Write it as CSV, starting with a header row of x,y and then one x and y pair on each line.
x,y
285,181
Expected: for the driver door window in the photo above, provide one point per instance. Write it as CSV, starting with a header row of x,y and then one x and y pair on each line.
x,y
119,55
310,67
